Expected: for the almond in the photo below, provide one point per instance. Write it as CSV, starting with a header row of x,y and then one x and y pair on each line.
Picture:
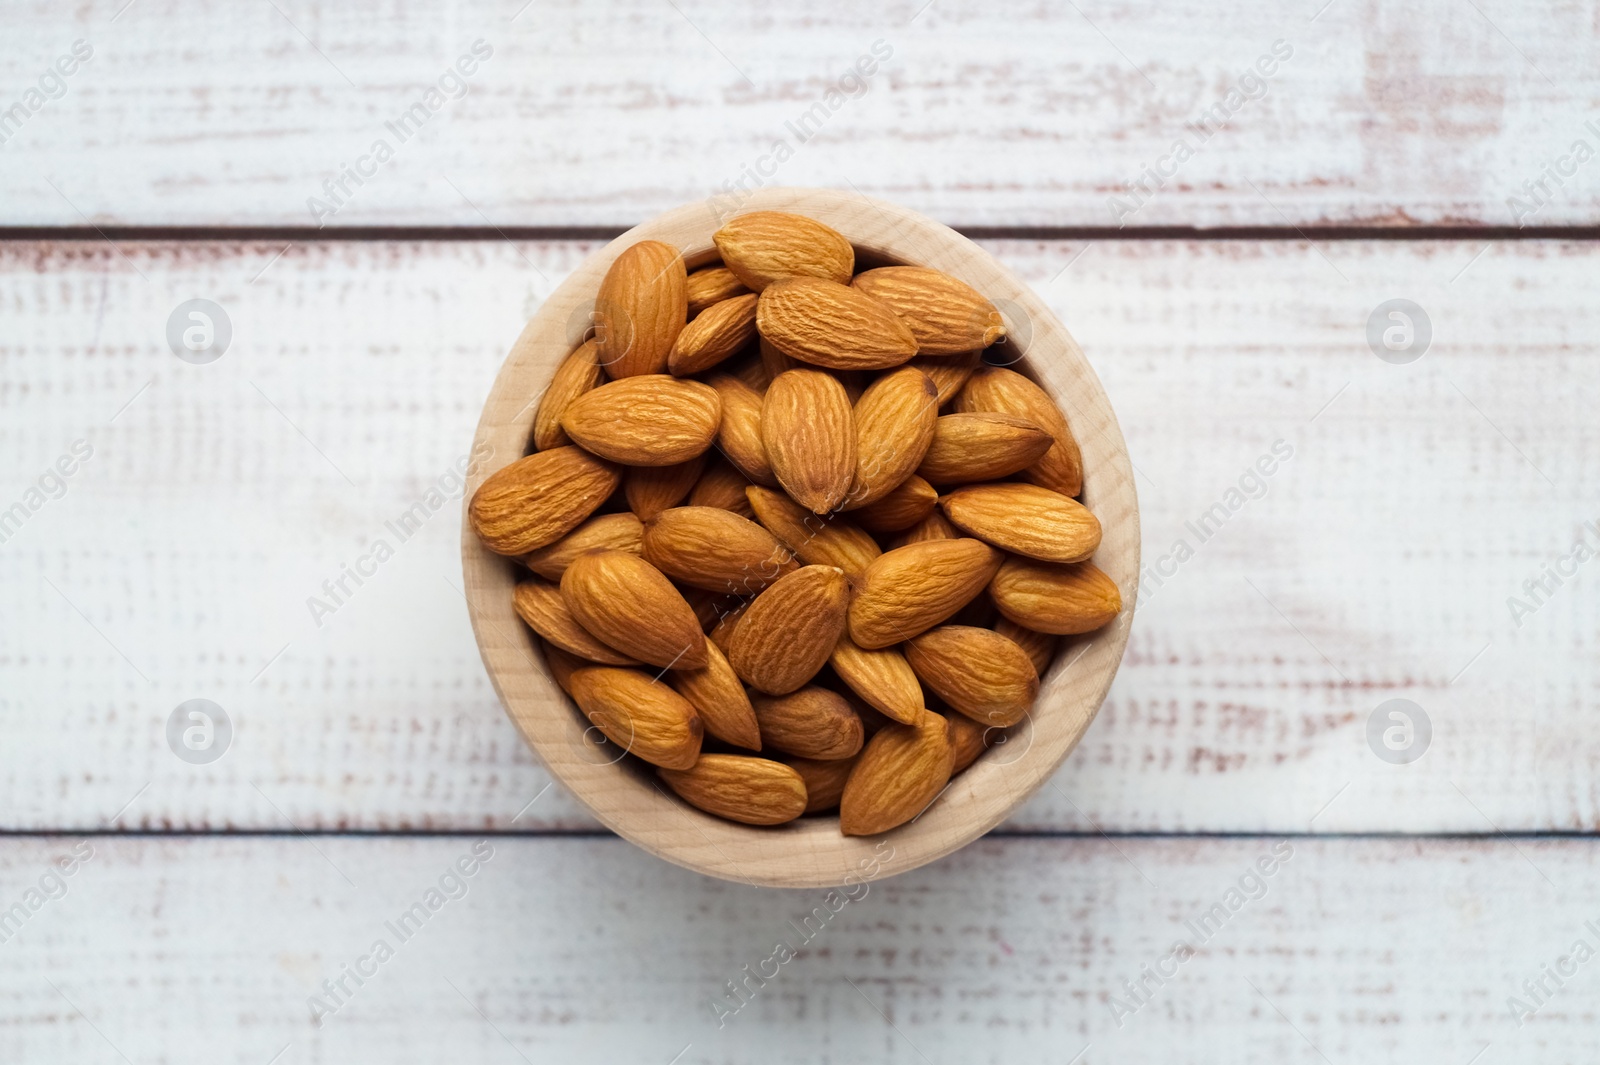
x,y
640,715
615,532
949,373
773,362
1026,520
787,633
883,678
562,665
739,437
947,316
649,420
1059,599
812,723
752,791
538,499
817,540
711,285
627,603
539,603
894,421
652,489
640,309
979,447
766,246
716,550
1003,391
721,633
977,671
1040,646
911,589
899,773
809,435
934,527
722,486
721,331
829,324
824,781
719,699
969,739
906,504
578,373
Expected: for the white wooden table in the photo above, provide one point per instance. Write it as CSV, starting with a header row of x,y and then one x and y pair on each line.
x,y
1424,152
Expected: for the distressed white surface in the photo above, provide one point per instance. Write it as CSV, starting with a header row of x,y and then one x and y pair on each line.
x,y
1011,113
1382,556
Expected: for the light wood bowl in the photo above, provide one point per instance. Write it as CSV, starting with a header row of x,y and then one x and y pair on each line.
x,y
810,852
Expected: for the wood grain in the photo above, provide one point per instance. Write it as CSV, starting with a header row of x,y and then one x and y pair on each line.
x,y
1381,558
1006,114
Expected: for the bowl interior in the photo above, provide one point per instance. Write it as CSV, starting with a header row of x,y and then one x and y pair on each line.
x,y
809,852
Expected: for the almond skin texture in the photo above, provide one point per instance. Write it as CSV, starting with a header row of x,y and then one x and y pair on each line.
x,y
934,527
826,540
629,604
895,420
651,489
721,633
640,715
651,420
981,447
811,723
739,437
969,739
949,373
977,671
721,331
578,373
773,361
809,435
711,285
787,633
824,781
911,589
902,769
767,246
613,532
908,503
723,487
719,699
752,791
538,499
1025,520
640,309
539,603
562,665
883,678
1002,391
1040,646
716,550
1059,599
828,324
947,316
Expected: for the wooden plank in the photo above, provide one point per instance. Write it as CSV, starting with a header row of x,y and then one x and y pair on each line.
x,y
1420,498
1006,114
1351,950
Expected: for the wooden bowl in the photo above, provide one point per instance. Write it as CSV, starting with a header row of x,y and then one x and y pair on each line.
x,y
810,852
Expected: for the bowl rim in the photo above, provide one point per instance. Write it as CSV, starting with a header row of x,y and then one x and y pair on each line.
x,y
809,852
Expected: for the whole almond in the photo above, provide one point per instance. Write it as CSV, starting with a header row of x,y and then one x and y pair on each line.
x,y
828,324
1059,599
713,284
539,603
651,489
766,246
913,588
969,739
902,769
629,604
811,723
977,671
817,540
640,715
538,499
715,549
614,532
894,420
752,791
824,780
882,677
722,486
649,420
809,434
1002,391
1025,519
720,331
947,316
719,699
1040,646
640,309
739,437
905,505
578,373
980,447
949,373
787,633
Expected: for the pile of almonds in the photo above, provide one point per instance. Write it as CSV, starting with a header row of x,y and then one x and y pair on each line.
x,y
779,506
